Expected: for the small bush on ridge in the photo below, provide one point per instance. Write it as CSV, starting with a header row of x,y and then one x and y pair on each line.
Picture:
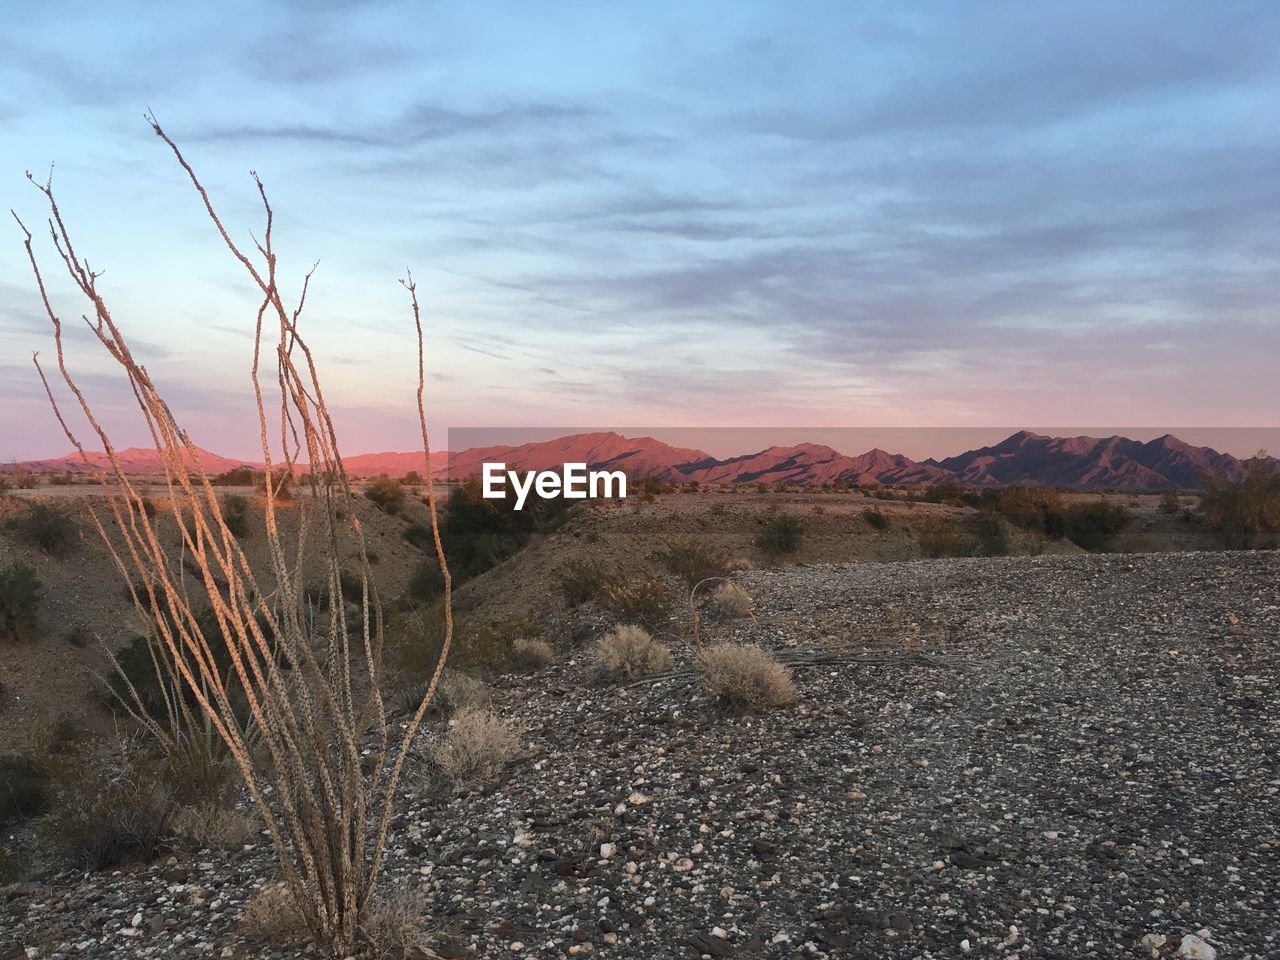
x,y
781,535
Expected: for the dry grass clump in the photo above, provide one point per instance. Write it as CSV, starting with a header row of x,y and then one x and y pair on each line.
x,y
214,826
476,747
270,915
745,677
628,651
642,601
731,600
530,655
393,928
460,691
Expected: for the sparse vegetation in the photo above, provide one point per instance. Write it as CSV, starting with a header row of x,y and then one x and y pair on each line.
x,y
475,748
19,602
1245,514
386,494
628,651
529,655
235,514
781,535
109,809
745,677
24,789
875,518
641,601
582,581
1092,525
48,526
271,916
1170,503
731,601
394,927
692,561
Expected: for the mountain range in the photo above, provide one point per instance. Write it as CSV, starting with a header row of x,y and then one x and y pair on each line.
x,y
1087,463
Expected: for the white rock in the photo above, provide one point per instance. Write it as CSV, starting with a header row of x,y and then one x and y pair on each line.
x,y
720,933
965,946
1153,942
1194,948
137,919
637,799
607,850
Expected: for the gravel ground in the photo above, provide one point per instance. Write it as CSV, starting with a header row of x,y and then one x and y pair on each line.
x,y
1062,757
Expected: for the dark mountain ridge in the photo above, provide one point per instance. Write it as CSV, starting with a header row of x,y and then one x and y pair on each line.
x,y
1084,463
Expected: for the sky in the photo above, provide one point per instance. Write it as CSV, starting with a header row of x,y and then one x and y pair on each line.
x,y
670,214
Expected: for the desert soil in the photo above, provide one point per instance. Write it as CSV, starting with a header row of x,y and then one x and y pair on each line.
x,y
1036,757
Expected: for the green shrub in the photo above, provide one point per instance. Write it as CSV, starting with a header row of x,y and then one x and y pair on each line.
x,y
1092,525
692,561
1170,503
24,787
426,583
420,536
386,494
1040,509
235,514
238,477
47,526
781,535
989,533
282,482
582,581
943,537
875,518
1246,513
19,602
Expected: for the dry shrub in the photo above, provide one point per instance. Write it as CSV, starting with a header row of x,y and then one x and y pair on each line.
x,y
213,826
731,600
745,677
271,916
393,929
460,691
628,651
456,692
530,655
781,535
644,601
693,561
475,748
110,809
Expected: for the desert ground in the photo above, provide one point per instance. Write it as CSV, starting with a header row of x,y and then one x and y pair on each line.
x,y
1047,754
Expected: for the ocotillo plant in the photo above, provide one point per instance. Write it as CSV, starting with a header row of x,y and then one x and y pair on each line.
x,y
324,780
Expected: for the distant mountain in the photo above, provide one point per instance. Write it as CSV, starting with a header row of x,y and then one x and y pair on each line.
x,y
812,463
1088,463
138,461
637,457
1096,463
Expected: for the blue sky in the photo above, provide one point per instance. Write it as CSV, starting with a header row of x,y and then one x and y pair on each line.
x,y
667,214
